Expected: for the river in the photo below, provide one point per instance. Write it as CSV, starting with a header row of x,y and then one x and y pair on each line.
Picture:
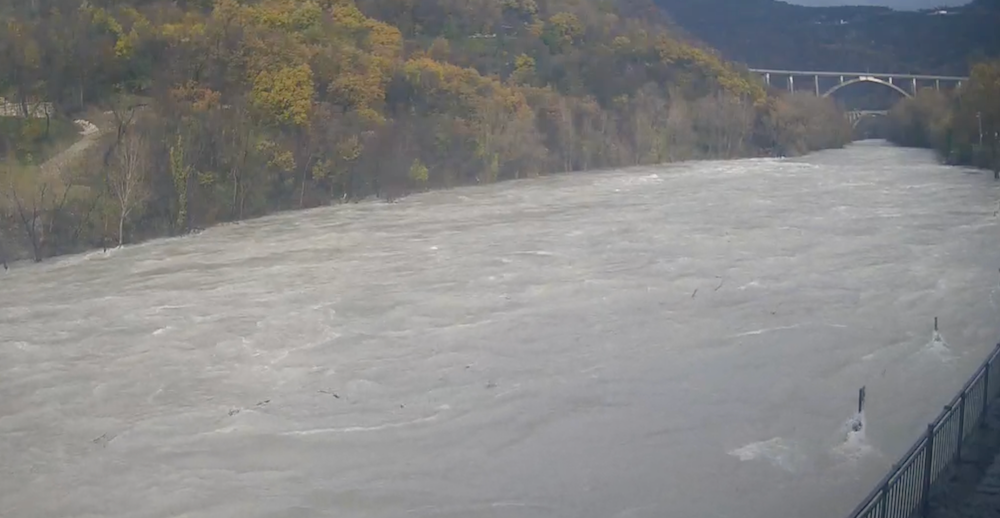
x,y
682,341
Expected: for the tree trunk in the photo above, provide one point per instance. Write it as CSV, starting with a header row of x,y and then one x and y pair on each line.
x,y
233,208
302,191
121,229
32,231
3,255
83,80
22,97
188,189
29,224
83,221
236,172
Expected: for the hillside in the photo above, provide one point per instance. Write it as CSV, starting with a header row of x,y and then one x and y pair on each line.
x,y
774,34
222,110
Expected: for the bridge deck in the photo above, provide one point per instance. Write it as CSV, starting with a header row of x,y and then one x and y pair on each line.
x,y
919,77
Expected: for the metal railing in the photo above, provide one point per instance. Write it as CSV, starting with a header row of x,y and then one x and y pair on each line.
x,y
906,491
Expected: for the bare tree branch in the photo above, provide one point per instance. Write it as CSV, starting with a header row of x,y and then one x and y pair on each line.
x,y
127,176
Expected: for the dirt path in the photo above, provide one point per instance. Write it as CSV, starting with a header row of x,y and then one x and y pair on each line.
x,y
90,134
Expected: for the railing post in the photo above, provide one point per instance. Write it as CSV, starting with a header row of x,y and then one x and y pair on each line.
x,y
884,511
986,393
961,426
925,502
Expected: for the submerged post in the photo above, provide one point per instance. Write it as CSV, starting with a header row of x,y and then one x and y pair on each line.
x,y
856,422
935,324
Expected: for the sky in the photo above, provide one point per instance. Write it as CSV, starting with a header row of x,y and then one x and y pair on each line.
x,y
895,4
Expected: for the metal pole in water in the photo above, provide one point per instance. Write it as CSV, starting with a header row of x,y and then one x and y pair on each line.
x,y
856,422
935,324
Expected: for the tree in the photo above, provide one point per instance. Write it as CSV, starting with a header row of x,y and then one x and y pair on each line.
x,y
679,135
964,127
284,96
22,61
562,31
32,200
984,97
127,176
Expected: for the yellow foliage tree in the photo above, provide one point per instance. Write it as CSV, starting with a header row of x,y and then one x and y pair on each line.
x,y
563,30
284,96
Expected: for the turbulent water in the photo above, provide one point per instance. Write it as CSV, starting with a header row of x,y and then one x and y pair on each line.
x,y
682,341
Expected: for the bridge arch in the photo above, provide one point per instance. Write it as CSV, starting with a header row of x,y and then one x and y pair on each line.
x,y
867,79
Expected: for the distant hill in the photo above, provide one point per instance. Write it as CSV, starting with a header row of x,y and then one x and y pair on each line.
x,y
775,34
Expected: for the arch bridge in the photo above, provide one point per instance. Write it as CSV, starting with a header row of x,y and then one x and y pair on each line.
x,y
825,84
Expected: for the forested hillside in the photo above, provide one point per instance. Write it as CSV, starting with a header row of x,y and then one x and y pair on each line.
x,y
963,126
776,34
220,110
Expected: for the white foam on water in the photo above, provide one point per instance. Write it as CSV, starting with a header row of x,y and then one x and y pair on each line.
x,y
855,444
78,259
939,347
766,330
775,451
632,180
355,429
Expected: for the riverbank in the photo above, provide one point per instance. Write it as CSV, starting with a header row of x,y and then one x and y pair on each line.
x,y
963,127
27,241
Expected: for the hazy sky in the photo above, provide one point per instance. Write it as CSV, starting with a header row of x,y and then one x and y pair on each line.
x,y
895,4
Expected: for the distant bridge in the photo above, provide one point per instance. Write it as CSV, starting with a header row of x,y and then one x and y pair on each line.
x,y
855,116
821,80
